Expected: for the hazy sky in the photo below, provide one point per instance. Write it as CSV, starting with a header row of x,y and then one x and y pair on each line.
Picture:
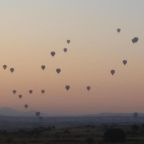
x,y
31,29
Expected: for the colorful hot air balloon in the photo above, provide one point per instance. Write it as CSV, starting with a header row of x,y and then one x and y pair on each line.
x,y
124,62
53,53
67,87
43,67
58,70
135,40
112,71
4,67
11,70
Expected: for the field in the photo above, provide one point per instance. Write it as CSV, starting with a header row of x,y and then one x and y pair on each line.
x,y
88,134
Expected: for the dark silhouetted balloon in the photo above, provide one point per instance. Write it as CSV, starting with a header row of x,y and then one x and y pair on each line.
x,y
20,96
42,91
88,88
118,30
68,41
37,114
14,91
65,49
58,70
11,70
124,62
43,67
30,91
53,53
67,87
112,71
4,67
135,40
26,106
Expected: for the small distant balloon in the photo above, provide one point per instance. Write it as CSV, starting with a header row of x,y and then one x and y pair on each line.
x,y
37,114
68,41
58,70
30,91
42,91
124,62
43,67
4,67
53,53
14,91
26,106
88,88
118,30
135,40
20,96
65,49
67,87
11,70
113,71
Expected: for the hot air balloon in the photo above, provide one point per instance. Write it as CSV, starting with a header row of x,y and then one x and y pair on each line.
x,y
14,91
67,87
53,53
65,49
11,70
58,70
20,96
30,91
37,114
4,67
88,88
135,40
68,41
42,91
112,71
43,67
124,62
118,30
26,106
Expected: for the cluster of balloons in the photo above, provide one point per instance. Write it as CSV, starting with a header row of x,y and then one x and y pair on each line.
x,y
26,106
43,91
6,67
124,62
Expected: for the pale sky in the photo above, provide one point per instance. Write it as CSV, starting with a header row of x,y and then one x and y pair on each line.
x,y
31,29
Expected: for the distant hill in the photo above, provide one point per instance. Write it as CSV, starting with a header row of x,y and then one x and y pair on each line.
x,y
6,111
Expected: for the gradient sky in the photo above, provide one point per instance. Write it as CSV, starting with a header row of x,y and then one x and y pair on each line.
x,y
31,29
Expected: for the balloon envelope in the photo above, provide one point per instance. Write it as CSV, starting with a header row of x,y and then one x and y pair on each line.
x,y
124,62
65,49
14,91
135,40
67,87
53,53
4,67
112,71
30,91
88,88
11,70
118,30
68,41
43,67
58,70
